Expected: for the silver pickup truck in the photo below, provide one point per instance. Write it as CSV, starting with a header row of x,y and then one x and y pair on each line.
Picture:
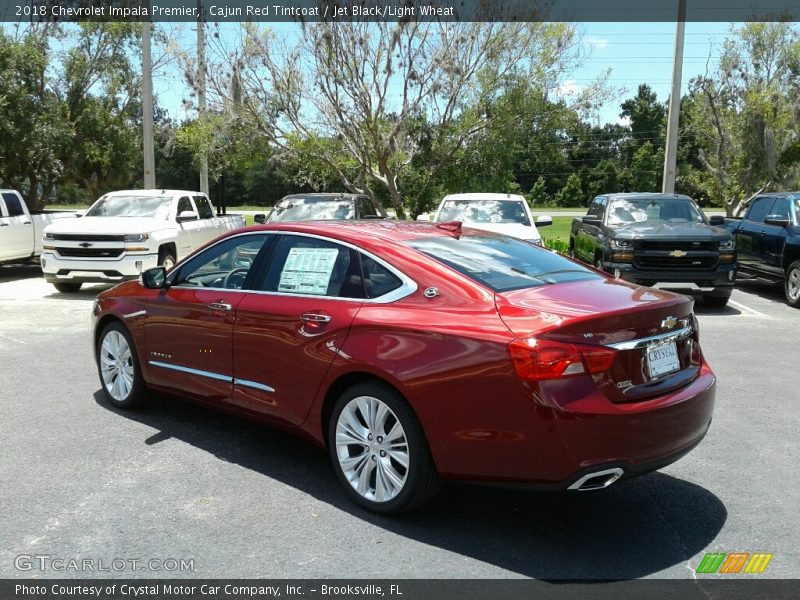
x,y
128,231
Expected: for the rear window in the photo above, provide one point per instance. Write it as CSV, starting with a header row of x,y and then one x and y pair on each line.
x,y
502,263
305,209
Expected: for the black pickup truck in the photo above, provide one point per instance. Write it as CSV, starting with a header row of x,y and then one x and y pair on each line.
x,y
768,239
650,238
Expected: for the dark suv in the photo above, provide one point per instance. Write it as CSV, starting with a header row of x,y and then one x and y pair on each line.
x,y
323,207
650,238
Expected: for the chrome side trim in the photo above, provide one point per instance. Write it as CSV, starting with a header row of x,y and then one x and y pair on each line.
x,y
662,338
611,476
209,374
138,313
254,384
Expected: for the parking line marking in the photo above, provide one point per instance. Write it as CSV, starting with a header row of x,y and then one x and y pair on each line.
x,y
741,306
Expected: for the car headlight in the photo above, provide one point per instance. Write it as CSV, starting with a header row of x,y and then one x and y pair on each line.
x,y
728,245
137,237
620,244
49,236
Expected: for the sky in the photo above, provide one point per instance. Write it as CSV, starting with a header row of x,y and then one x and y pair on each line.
x,y
635,52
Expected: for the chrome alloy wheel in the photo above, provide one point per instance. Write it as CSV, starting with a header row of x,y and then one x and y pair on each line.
x,y
116,365
793,284
372,449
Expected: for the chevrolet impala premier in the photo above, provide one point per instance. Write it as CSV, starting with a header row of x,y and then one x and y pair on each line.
x,y
416,353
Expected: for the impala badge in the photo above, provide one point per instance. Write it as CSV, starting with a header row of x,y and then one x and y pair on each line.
x,y
669,323
678,253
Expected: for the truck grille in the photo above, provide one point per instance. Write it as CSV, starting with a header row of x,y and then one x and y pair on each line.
x,y
668,245
82,237
674,262
90,252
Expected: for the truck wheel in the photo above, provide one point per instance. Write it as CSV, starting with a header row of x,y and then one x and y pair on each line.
x,y
792,284
118,367
599,265
379,451
166,258
67,288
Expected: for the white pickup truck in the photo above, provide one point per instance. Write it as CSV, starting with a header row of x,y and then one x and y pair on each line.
x,y
126,232
20,229
508,214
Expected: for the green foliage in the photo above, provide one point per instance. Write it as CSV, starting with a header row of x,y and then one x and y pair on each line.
x,y
571,194
557,244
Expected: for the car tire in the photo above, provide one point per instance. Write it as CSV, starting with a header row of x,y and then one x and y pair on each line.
x,y
118,367
166,259
791,284
713,300
67,288
369,463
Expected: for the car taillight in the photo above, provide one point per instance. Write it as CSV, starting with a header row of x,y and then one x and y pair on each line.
x,y
535,360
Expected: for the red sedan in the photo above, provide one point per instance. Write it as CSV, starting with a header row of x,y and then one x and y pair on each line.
x,y
417,353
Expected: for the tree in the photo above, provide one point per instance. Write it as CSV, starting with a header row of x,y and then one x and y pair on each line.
x,y
647,116
572,193
365,85
538,194
749,113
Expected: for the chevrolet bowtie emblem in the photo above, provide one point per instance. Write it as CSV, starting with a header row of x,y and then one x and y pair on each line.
x,y
669,323
678,253
85,244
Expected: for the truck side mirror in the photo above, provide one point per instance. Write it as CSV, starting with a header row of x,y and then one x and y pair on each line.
x,y
260,218
592,220
544,221
776,220
187,215
154,278
716,220
424,217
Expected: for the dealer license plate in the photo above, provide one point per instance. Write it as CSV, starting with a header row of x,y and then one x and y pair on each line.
x,y
662,359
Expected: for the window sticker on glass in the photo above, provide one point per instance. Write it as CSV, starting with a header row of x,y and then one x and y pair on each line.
x,y
308,270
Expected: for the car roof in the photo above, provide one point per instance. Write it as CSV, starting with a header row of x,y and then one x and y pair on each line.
x,y
651,195
157,192
790,195
372,235
484,196
323,195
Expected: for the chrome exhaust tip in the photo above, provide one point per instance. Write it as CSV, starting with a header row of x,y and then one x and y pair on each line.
x,y
597,480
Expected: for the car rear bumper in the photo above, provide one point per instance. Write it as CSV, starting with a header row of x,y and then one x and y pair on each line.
x,y
567,428
723,276
58,269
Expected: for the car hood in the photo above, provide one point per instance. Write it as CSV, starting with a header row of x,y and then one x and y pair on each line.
x,y
108,225
695,231
517,230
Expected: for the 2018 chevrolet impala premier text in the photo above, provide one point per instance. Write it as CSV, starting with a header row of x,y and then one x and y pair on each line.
x,y
418,353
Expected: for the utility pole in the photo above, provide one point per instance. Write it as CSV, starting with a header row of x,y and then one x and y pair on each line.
x,y
201,91
147,109
673,117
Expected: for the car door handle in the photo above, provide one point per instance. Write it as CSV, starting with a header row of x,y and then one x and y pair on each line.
x,y
220,306
26,222
315,318
3,224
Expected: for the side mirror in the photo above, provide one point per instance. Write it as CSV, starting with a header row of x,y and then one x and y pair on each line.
x,y
187,215
544,221
716,220
260,218
592,220
154,278
424,217
776,220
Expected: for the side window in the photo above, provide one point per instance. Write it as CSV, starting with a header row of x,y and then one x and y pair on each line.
x,y
225,265
204,209
378,280
13,205
366,208
184,204
760,209
781,208
314,267
598,207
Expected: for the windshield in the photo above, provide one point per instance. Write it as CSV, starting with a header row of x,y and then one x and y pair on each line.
x,y
484,211
653,211
502,263
305,209
131,206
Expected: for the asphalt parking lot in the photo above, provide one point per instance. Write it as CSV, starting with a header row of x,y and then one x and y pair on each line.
x,y
176,481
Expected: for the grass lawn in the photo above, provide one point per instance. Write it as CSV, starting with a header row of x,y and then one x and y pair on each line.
x,y
558,230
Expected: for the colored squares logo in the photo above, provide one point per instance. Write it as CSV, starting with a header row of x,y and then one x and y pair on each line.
x,y
734,562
